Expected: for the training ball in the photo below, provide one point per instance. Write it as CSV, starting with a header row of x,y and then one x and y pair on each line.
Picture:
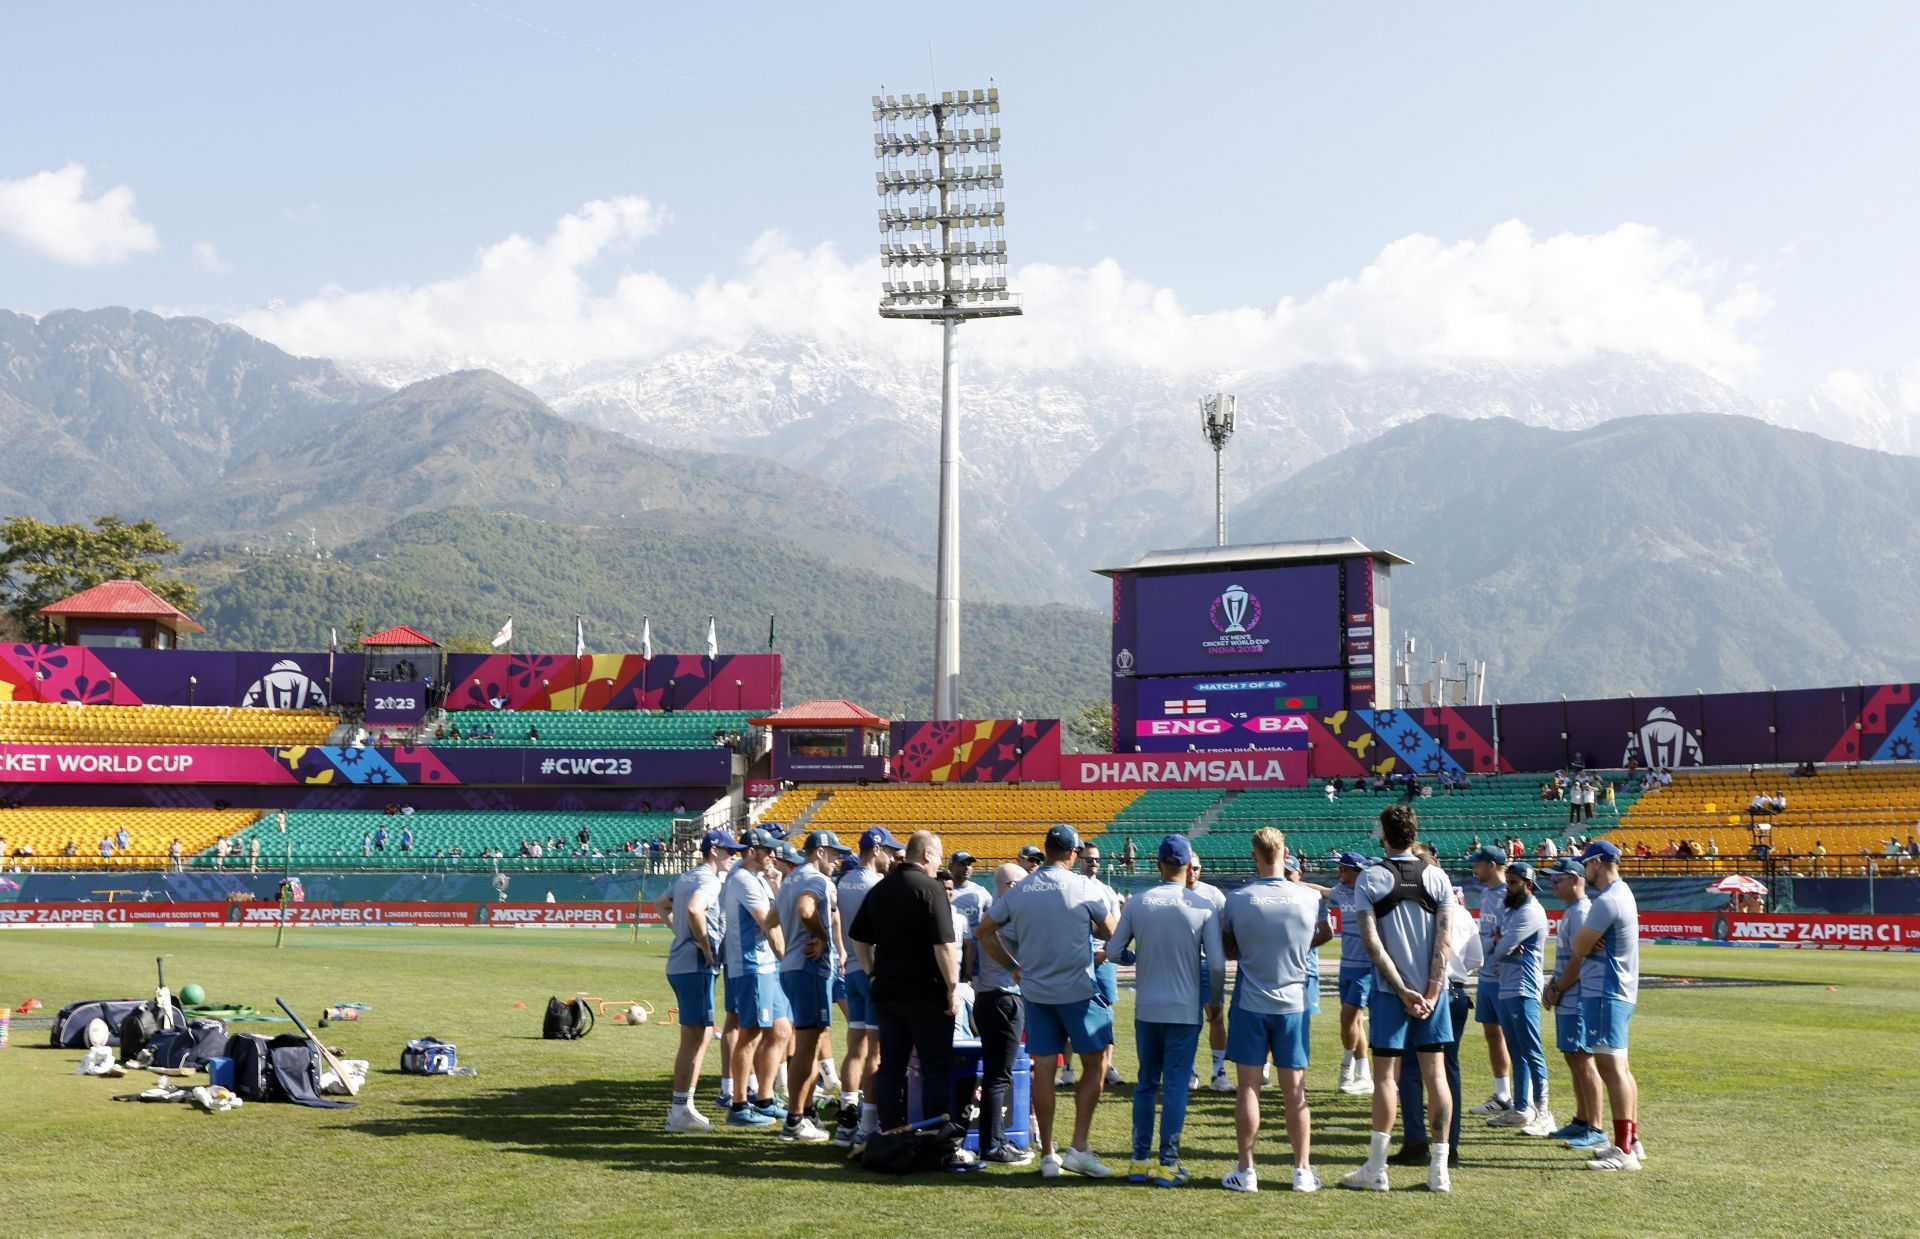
x,y
192,994
98,1033
636,1015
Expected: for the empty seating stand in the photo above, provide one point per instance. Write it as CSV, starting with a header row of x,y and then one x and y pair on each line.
x,y
151,832
589,729
37,722
320,835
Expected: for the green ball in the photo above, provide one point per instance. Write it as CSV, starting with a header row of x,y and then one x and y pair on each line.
x,y
192,994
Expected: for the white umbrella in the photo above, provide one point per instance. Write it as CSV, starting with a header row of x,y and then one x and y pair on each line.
x,y
1738,884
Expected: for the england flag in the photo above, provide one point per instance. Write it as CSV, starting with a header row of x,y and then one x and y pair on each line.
x,y
1189,705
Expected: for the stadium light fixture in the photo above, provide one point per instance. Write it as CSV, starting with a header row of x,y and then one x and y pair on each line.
x,y
1216,423
943,256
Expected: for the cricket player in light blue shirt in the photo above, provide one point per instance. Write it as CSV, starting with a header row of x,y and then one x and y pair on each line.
x,y
693,959
859,1117
1268,926
1520,944
1056,915
754,995
807,910
1606,969
1173,931
1356,981
1490,888
1570,1032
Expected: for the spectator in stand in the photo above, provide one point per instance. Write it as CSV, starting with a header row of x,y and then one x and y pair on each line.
x,y
1516,848
1641,851
253,854
380,837
1332,794
1759,804
1130,855
1607,796
533,733
406,838
175,855
1818,854
366,843
1547,850
106,847
488,735
122,840
1713,849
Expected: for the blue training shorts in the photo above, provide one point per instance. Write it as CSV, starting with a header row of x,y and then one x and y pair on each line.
x,y
809,998
693,993
1569,1028
840,988
757,999
860,1001
1396,1032
1085,1026
1356,986
1486,1002
1253,1035
1606,1020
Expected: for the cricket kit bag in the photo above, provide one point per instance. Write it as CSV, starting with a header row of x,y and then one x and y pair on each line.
x,y
429,1056
189,1045
284,1068
567,1021
70,1026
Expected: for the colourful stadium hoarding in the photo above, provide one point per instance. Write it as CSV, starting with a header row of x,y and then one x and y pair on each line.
x,y
1244,769
1001,750
614,681
326,765
324,913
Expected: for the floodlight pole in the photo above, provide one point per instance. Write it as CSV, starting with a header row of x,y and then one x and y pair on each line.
x,y
1216,423
954,299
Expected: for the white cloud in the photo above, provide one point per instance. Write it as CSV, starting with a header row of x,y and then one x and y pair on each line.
x,y
1508,297
209,258
50,214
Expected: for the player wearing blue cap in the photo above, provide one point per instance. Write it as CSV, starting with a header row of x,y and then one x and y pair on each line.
x,y
1269,926
807,912
1356,981
1051,913
1173,930
1606,969
693,913
1520,944
1490,873
859,1117
1570,1033
1406,909
754,997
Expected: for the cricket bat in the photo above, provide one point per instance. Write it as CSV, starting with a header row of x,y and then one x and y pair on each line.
x,y
326,1056
162,997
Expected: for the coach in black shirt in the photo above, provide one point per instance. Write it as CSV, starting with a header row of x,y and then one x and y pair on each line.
x,y
904,938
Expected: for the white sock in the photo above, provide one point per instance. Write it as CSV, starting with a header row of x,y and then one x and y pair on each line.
x,y
829,1074
850,1102
780,1080
1346,1066
753,1085
1437,1153
1503,1089
683,1100
1365,1066
1377,1148
1219,1062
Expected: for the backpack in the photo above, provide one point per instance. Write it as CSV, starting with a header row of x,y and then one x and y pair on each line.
x,y
188,1045
252,1066
429,1056
1406,885
567,1021
927,1145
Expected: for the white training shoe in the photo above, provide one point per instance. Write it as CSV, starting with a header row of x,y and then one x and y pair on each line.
x,y
1492,1105
1512,1118
1542,1124
1238,1180
805,1131
1266,1073
1113,1076
1611,1158
1359,1086
1438,1180
1193,1083
1064,1079
1219,1083
1368,1178
1050,1165
688,1121
1304,1180
1083,1161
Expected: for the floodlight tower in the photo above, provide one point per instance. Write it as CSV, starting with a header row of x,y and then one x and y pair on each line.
x,y
1216,423
941,214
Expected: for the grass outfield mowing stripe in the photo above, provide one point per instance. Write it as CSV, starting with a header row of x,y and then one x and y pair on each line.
x,y
1763,1108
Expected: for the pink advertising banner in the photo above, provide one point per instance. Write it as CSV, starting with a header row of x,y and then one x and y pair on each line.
x,y
1251,769
121,763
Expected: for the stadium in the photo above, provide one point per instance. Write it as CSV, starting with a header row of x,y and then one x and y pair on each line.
x,y
1241,913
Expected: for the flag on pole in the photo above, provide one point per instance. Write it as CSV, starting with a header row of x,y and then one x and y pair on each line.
x,y
505,635
646,637
770,630
333,640
713,640
579,637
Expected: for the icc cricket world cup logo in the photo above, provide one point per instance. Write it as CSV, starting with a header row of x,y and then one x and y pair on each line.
x,y
1230,612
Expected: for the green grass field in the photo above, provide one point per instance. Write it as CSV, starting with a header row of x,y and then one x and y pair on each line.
x,y
1784,1110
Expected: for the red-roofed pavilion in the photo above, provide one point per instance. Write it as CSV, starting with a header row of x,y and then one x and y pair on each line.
x,y
123,615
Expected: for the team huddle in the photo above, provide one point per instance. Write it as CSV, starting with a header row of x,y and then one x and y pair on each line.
x,y
915,956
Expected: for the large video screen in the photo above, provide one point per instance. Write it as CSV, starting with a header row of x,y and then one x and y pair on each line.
x,y
1176,713
1214,623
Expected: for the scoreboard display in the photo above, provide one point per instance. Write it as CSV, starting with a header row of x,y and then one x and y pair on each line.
x,y
1175,713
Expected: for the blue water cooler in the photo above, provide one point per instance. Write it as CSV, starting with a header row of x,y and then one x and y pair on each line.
x,y
968,1095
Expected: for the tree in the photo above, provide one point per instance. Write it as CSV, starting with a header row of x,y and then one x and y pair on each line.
x,y
1092,727
42,563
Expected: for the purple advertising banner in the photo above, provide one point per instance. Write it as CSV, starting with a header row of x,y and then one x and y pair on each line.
x,y
1811,719
1175,713
375,766
396,702
1530,735
1739,723
1260,619
283,681
1125,642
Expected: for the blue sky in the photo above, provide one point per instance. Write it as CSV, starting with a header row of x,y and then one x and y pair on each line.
x,y
1225,155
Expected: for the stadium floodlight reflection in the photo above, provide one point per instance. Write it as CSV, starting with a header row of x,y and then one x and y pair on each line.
x,y
943,254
